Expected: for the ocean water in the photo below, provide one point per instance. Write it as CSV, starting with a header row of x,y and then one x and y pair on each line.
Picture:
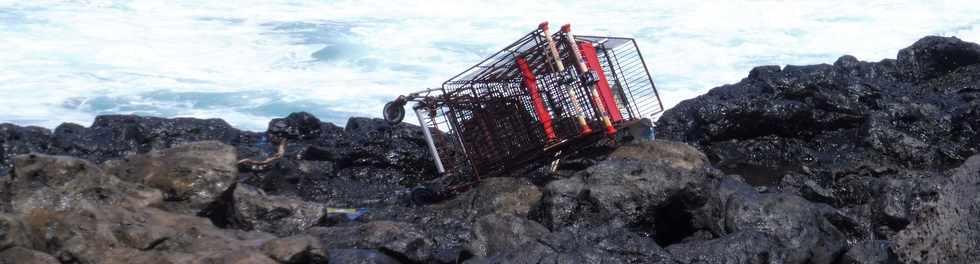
x,y
249,61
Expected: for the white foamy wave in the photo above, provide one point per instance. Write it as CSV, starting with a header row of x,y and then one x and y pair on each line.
x,y
248,61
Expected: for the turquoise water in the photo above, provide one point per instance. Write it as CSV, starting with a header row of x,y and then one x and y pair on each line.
x,y
249,61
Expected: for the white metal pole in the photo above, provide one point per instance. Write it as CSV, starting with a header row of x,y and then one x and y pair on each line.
x,y
429,141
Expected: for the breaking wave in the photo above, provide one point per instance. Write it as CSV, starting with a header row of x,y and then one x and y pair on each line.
x,y
249,61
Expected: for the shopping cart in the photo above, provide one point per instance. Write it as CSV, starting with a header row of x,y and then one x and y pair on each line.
x,y
538,96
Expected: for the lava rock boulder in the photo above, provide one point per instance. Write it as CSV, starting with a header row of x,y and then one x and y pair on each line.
x,y
191,175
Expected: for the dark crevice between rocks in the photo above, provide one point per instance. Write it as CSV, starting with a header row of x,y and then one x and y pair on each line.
x,y
852,228
274,214
453,255
895,224
668,224
673,223
398,256
156,243
223,213
758,175
5,192
308,255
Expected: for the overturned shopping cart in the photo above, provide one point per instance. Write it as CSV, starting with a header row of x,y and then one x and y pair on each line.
x,y
542,94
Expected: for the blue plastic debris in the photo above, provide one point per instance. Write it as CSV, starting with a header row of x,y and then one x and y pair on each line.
x,y
351,213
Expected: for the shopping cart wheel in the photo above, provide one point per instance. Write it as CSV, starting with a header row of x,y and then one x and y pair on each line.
x,y
394,112
423,195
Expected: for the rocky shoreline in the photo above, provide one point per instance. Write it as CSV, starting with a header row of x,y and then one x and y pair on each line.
x,y
856,162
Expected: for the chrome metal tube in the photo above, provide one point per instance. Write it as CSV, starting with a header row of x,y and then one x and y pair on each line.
x,y
429,141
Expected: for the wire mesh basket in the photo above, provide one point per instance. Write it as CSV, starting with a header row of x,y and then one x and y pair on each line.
x,y
536,96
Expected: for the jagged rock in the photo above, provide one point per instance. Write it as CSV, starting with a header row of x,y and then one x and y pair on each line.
x,y
402,240
248,208
73,235
115,136
112,137
868,138
798,226
618,210
606,243
790,229
301,125
19,255
192,174
392,157
675,154
450,223
893,203
388,165
377,130
834,118
629,188
515,196
15,140
943,227
120,235
248,257
370,163
494,234
712,215
13,233
506,196
360,256
292,177
61,183
296,249
870,252
816,193
934,56
603,244
376,142
740,247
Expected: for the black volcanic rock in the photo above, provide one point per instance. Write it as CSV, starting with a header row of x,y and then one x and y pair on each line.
x,y
402,240
629,188
113,136
799,228
741,247
840,124
872,139
300,125
870,252
841,116
16,140
933,56
494,234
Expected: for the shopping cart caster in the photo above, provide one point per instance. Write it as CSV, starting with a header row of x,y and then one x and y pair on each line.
x,y
394,111
424,195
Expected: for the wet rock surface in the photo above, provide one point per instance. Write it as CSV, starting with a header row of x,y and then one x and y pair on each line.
x,y
855,162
